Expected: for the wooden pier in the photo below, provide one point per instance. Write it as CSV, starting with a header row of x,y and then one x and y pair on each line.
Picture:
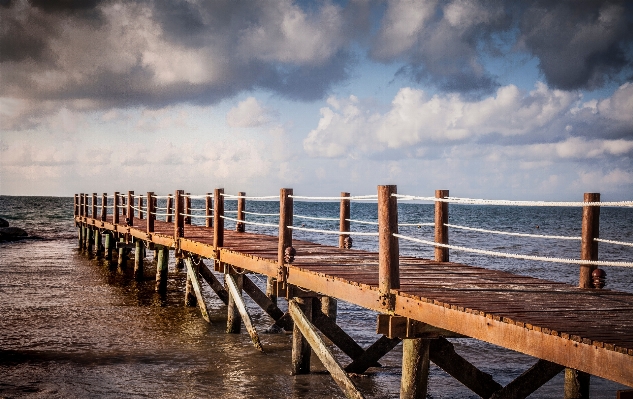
x,y
583,330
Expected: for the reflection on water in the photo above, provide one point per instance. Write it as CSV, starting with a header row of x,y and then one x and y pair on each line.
x,y
71,327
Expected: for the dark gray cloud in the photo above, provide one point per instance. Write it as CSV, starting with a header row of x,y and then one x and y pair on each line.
x,y
157,52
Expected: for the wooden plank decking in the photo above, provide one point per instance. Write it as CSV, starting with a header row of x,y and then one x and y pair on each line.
x,y
585,329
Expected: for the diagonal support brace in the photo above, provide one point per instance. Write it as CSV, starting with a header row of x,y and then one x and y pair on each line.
x,y
239,303
193,276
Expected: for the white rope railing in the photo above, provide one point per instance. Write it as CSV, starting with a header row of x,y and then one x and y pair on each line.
x,y
476,201
162,214
196,216
347,233
198,209
315,218
196,196
249,222
416,224
231,196
508,233
144,209
231,211
162,196
628,244
361,221
355,197
160,208
260,214
518,256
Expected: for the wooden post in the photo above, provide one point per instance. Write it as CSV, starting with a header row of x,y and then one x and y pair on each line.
x,y
168,211
344,216
235,291
218,217
576,384
104,207
441,230
97,239
108,246
388,251
187,210
179,221
81,204
208,210
285,234
193,273
140,207
415,368
94,205
130,209
138,259
241,207
151,212
300,346
588,244
115,210
122,260
234,320
89,240
123,207
161,269
76,205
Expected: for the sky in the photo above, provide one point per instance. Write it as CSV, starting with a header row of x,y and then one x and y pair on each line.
x,y
488,99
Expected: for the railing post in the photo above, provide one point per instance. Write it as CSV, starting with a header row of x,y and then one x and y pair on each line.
x,y
169,208
151,212
123,207
285,234
208,221
218,217
82,206
104,207
344,223
187,210
441,229
179,221
76,205
241,207
140,207
588,244
130,210
94,205
388,250
115,210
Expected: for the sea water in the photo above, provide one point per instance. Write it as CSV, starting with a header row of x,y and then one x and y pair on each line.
x,y
72,327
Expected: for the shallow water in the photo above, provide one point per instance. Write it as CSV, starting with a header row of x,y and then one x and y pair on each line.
x,y
71,326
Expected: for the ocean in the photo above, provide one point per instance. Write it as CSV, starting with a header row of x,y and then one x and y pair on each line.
x,y
72,327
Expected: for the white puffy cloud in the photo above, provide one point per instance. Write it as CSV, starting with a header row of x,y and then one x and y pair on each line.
x,y
248,113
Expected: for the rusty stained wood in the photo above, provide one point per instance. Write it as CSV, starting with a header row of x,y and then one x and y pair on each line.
x,y
239,303
320,349
529,381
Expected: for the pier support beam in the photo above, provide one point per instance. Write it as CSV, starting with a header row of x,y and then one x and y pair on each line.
x,y
108,246
122,260
89,240
300,346
192,279
235,292
161,269
98,247
139,253
214,283
234,321
415,368
576,384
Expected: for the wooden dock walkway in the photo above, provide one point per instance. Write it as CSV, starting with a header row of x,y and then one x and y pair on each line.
x,y
585,330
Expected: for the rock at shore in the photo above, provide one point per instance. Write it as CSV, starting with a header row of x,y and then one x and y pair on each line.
x,y
3,223
12,233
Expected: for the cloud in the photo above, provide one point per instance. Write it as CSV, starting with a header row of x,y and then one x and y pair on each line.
x,y
248,113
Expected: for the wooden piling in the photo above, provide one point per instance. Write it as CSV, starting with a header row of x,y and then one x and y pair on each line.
x,y
89,240
218,217
190,294
161,269
208,210
235,291
193,276
76,205
388,251
139,250
415,368
123,207
441,229
234,320
588,244
97,240
285,233
130,208
122,260
187,210
104,207
169,208
115,210
300,346
108,246
576,384
344,216
151,212
241,207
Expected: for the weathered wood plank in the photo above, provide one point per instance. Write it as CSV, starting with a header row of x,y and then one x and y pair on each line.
x,y
239,303
196,287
